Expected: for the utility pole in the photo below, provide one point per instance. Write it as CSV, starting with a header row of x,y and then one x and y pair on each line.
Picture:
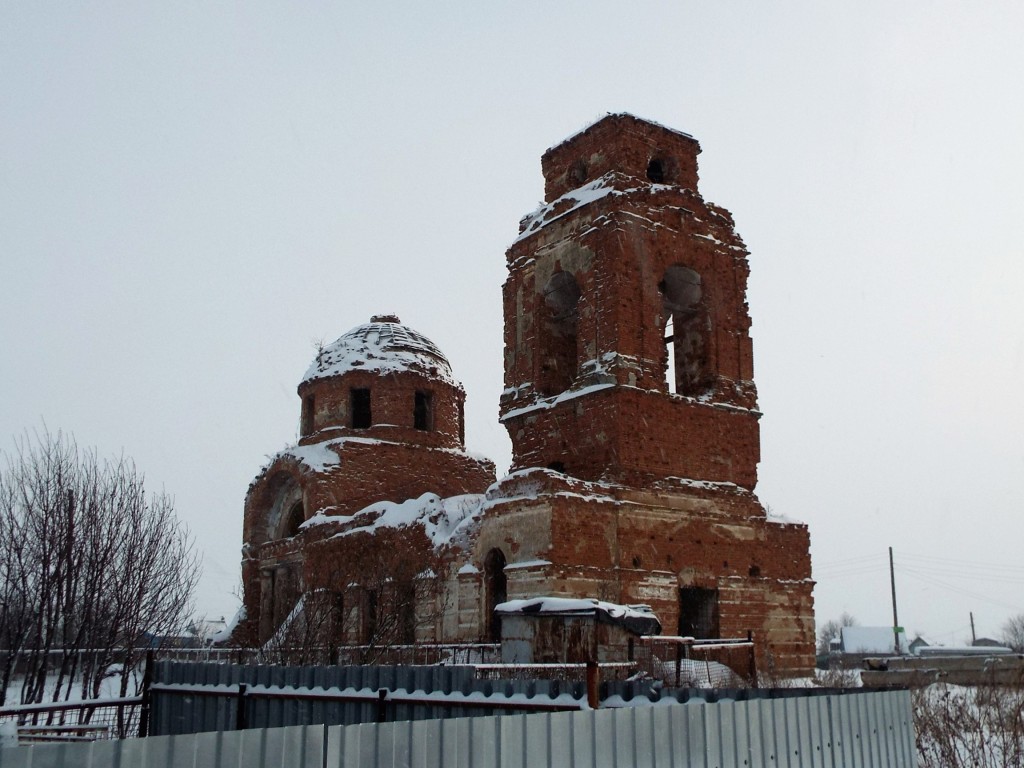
x,y
895,619
974,638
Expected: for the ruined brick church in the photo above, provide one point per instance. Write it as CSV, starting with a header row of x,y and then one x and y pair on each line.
x,y
630,402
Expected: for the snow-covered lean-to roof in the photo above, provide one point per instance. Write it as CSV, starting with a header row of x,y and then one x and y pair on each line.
x,y
383,346
441,519
638,619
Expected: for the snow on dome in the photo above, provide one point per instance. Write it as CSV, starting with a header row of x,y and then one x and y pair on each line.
x,y
382,346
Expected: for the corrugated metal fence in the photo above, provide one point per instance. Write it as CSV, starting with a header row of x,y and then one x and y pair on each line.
x,y
188,698
868,730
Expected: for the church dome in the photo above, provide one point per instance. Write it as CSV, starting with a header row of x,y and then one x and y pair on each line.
x,y
381,346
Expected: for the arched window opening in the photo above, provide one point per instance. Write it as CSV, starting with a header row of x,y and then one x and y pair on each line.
x,y
293,521
670,347
656,171
306,427
578,173
406,605
558,362
368,619
337,616
285,512
686,331
361,415
422,411
496,590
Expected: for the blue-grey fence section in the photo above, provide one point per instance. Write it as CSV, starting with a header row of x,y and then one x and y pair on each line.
x,y
189,698
866,730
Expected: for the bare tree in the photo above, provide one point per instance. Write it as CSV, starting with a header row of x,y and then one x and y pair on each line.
x,y
832,629
1013,633
90,563
979,726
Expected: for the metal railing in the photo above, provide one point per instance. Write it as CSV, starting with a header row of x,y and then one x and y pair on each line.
x,y
77,721
687,661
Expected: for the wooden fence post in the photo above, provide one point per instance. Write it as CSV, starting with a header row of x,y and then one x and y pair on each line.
x,y
593,685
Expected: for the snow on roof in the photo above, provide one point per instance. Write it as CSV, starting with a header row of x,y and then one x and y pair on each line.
x,y
382,346
963,650
439,517
316,456
872,640
639,619
551,402
224,634
613,115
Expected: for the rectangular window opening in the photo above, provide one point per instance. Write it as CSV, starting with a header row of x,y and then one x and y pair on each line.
x,y
698,613
670,346
306,427
422,413
361,416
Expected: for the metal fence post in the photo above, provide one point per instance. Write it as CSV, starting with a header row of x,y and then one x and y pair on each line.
x,y
382,705
144,709
241,721
753,659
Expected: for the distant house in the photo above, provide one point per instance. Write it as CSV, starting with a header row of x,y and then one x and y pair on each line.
x,y
918,643
872,641
987,642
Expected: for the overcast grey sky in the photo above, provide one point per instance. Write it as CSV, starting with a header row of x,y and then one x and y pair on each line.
x,y
192,194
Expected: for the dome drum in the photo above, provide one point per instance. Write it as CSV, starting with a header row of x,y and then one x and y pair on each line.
x,y
382,380
406,407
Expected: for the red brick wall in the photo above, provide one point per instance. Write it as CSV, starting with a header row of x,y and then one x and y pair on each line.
x,y
392,398
633,550
619,143
636,436
618,250
389,461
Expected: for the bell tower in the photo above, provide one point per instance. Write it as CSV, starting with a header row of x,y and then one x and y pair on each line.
x,y
627,349
630,401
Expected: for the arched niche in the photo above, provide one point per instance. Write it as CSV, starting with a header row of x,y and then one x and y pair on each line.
x,y
292,522
557,332
495,591
287,511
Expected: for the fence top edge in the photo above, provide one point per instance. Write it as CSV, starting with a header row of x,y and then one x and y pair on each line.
x,y
57,706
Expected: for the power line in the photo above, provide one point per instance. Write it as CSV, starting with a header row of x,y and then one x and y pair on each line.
x,y
915,574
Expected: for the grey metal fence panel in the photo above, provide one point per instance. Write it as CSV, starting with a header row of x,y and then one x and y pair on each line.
x,y
873,730
295,747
